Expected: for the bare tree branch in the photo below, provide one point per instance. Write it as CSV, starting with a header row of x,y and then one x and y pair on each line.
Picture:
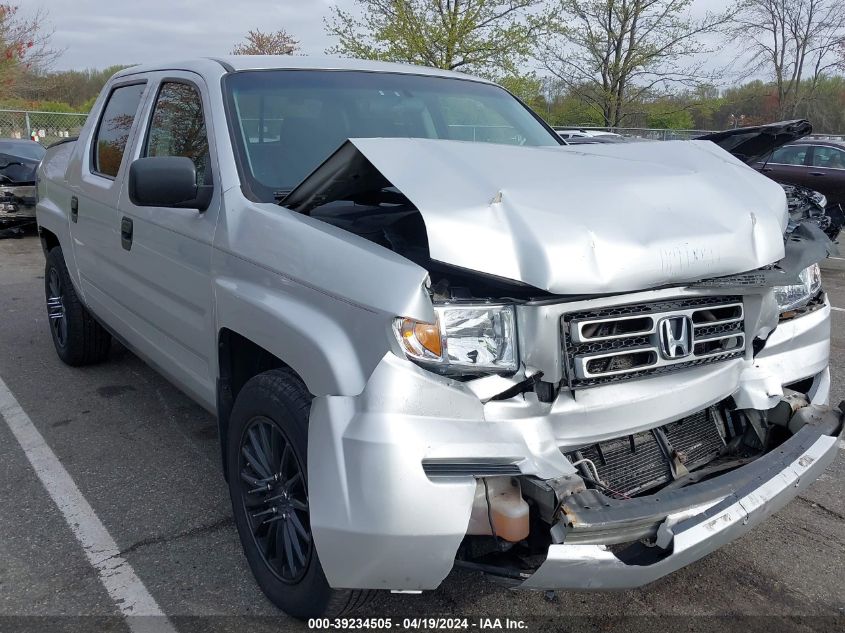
x,y
613,53
24,48
794,40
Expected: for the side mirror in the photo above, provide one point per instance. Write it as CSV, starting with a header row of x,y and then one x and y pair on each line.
x,y
167,181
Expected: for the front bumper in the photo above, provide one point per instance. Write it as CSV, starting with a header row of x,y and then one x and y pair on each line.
x,y
380,522
17,203
698,519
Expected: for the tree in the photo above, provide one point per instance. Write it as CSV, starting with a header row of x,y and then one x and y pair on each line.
x,y
793,40
260,43
24,47
616,53
487,37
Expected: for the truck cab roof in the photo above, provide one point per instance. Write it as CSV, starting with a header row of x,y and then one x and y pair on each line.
x,y
235,63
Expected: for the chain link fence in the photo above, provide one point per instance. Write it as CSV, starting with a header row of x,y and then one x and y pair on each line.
x,y
48,127
45,127
657,134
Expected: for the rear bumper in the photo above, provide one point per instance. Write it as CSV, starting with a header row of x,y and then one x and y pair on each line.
x,y
698,519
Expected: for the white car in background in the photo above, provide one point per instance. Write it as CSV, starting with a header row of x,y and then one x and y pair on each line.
x,y
568,134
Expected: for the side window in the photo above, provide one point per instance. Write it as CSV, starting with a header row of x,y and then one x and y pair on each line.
x,y
830,157
115,125
790,155
177,127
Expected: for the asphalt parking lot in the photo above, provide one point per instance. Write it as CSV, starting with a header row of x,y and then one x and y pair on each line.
x,y
146,460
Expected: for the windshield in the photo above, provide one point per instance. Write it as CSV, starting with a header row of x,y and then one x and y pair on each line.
x,y
24,149
287,122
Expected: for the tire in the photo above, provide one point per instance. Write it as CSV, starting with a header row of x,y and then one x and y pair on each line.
x,y
269,427
77,337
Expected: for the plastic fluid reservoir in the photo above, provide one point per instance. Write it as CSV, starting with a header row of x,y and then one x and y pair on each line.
x,y
508,510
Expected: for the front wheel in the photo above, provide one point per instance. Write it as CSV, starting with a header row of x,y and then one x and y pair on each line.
x,y
266,458
77,337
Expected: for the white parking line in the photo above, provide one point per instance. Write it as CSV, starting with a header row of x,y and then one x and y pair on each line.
x,y
842,445
122,584
837,309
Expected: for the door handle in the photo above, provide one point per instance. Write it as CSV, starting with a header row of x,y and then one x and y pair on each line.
x,y
74,209
767,169
816,173
126,233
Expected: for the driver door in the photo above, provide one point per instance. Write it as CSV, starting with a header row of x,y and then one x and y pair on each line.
x,y
166,252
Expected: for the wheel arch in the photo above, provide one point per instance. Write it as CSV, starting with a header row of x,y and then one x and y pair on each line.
x,y
239,360
49,240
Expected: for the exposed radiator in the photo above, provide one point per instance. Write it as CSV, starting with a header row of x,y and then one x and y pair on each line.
x,y
636,463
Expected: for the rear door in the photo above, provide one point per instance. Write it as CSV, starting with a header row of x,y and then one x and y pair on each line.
x,y
166,252
95,198
827,172
789,164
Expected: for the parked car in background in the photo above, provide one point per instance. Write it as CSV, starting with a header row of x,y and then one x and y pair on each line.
x,y
816,164
594,140
812,172
570,134
18,161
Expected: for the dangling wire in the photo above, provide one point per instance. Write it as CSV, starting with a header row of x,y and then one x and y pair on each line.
x,y
490,513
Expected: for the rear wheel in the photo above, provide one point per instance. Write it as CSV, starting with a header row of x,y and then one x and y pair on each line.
x,y
77,337
266,459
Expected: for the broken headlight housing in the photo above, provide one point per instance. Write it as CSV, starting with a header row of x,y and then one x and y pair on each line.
x,y
796,295
464,340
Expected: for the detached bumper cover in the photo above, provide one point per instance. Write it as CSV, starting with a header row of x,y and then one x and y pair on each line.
x,y
709,520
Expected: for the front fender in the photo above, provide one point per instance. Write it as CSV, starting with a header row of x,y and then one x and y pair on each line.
x,y
332,345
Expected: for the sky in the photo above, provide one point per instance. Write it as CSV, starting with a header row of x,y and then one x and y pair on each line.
x,y
100,33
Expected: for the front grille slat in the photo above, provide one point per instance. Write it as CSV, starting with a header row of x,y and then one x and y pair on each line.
x,y
623,342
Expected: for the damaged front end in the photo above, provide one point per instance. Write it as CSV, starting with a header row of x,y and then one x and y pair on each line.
x,y
17,183
600,399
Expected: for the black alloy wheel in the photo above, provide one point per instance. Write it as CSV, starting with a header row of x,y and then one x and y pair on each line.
x,y
56,307
275,499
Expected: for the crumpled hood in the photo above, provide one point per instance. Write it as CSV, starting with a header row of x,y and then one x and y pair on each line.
x,y
17,169
587,220
752,144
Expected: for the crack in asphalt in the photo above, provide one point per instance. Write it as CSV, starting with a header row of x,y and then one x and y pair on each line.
x,y
190,533
823,508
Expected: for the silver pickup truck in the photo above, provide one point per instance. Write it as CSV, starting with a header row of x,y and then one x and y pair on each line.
x,y
434,336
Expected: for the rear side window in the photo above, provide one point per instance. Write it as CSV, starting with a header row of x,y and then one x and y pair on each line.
x,y
115,125
790,155
828,157
177,127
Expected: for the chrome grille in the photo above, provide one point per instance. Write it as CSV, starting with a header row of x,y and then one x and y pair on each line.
x,y
624,342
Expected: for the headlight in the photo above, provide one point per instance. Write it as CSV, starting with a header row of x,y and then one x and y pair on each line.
x,y
478,339
796,295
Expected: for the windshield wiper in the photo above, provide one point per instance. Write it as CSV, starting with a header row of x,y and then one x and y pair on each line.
x,y
280,194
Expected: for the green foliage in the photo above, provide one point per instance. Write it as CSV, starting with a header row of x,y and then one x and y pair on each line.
x,y
486,37
75,89
661,116
528,87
